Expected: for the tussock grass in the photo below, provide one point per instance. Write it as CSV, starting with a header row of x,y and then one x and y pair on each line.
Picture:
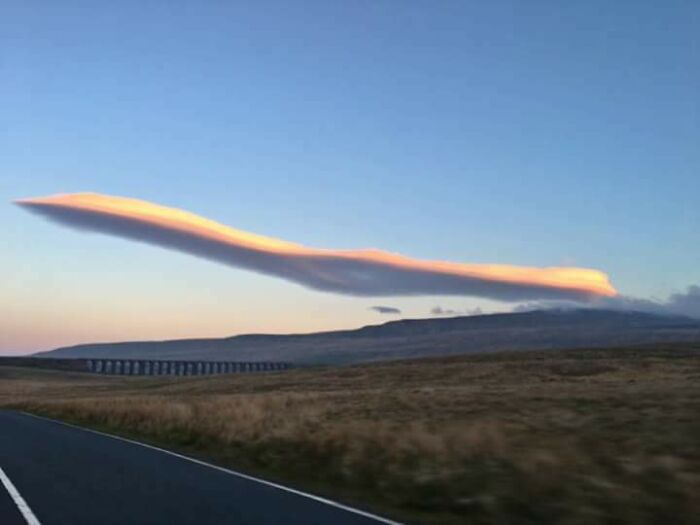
x,y
577,437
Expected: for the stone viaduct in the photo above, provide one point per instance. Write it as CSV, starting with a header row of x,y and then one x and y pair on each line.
x,y
140,367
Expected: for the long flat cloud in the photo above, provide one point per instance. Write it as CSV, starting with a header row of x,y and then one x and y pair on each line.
x,y
386,310
351,272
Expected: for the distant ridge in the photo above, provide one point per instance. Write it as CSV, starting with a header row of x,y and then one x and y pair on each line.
x,y
534,330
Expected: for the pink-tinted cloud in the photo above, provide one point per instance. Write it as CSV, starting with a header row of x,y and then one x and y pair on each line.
x,y
352,272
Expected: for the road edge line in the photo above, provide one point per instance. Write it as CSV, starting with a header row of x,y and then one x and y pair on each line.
x,y
284,488
22,505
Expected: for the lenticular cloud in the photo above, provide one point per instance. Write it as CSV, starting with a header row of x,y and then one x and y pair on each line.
x,y
350,272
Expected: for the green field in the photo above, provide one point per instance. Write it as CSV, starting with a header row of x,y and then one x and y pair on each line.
x,y
580,436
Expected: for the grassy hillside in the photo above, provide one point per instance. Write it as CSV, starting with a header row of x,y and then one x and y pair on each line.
x,y
579,437
411,338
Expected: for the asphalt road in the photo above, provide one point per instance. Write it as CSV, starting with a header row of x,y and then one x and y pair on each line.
x,y
68,475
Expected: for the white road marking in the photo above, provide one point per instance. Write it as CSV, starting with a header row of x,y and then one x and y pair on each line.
x,y
19,500
320,499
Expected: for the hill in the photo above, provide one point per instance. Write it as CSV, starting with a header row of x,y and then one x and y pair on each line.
x,y
535,330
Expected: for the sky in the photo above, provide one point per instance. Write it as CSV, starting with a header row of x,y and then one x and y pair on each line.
x,y
533,134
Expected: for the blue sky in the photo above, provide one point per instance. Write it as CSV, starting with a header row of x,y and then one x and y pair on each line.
x,y
538,133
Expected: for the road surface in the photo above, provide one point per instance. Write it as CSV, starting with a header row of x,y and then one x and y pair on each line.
x,y
57,474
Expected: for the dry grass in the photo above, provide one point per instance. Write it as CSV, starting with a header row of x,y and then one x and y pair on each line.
x,y
570,437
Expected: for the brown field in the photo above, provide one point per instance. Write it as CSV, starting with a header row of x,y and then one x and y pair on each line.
x,y
576,437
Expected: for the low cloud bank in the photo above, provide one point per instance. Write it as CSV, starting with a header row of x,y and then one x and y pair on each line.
x,y
681,303
349,272
439,310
